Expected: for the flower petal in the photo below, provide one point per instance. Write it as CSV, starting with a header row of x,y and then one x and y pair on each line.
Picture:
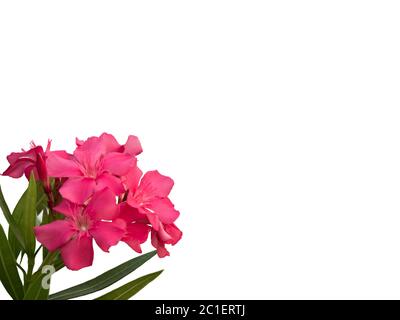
x,y
154,220
103,205
18,168
174,233
60,164
136,234
109,143
107,180
118,163
154,184
89,153
78,190
54,235
107,234
31,169
165,210
133,146
163,236
132,178
22,162
25,155
79,142
78,252
67,208
130,214
159,245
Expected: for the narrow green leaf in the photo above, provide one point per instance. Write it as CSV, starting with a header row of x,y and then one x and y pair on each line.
x,y
131,288
8,269
28,220
17,215
104,280
45,220
10,219
42,201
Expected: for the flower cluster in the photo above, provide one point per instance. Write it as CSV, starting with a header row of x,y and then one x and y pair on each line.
x,y
102,195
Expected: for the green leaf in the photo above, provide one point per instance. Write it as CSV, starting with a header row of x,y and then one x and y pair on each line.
x,y
42,200
8,269
17,215
45,220
131,288
104,280
28,220
10,219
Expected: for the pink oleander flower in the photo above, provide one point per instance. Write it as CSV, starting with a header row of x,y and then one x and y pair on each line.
x,y
132,145
137,231
167,234
136,226
96,163
26,162
74,235
149,202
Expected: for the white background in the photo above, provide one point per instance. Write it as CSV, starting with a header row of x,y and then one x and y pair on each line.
x,y
278,120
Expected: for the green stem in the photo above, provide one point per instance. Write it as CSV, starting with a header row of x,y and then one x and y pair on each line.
x,y
37,251
20,268
28,274
31,265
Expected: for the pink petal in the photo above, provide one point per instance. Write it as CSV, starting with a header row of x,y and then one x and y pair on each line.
x,y
159,245
89,153
164,209
174,233
130,214
120,223
32,169
61,153
134,244
24,155
23,162
103,205
133,146
79,142
59,165
107,234
163,236
154,220
78,190
54,235
18,168
118,163
132,178
78,253
154,184
106,180
67,208
136,234
109,143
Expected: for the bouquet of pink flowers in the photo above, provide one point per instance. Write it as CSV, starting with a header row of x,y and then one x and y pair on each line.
x,y
96,193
